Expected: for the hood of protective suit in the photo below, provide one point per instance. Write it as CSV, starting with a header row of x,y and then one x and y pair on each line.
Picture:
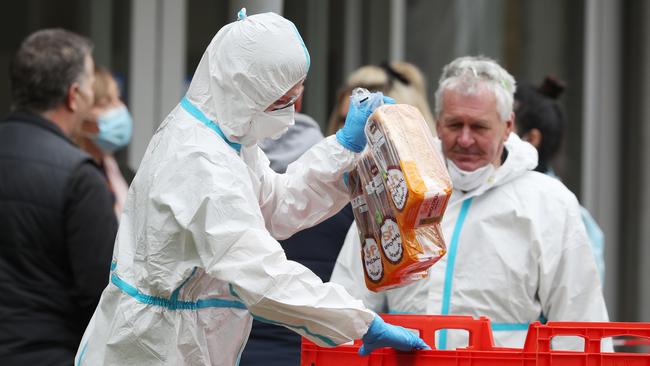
x,y
249,64
521,158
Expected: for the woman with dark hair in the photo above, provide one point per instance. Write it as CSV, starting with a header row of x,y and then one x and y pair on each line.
x,y
540,120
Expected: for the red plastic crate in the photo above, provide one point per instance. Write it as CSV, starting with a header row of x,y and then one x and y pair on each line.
x,y
481,350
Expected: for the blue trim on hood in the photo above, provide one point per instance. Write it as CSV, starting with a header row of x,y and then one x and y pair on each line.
x,y
196,113
304,48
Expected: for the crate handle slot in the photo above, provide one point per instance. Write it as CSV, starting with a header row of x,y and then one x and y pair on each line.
x,y
480,331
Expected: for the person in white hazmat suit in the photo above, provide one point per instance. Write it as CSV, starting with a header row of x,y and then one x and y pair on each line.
x,y
517,249
196,256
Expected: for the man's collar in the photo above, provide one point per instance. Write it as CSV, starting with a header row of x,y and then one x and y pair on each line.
x,y
35,119
504,155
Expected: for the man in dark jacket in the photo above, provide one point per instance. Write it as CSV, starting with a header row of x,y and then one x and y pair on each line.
x,y
57,225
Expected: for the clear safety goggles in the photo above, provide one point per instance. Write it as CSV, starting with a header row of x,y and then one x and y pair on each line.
x,y
286,101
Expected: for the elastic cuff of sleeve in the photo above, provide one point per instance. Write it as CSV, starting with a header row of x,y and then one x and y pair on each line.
x,y
347,144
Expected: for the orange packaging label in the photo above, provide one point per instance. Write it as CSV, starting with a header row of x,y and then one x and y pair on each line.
x,y
372,262
399,191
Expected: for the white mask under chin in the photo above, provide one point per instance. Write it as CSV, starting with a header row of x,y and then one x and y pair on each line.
x,y
467,181
268,124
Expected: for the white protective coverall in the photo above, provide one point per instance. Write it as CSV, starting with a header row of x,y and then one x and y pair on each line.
x,y
196,256
517,252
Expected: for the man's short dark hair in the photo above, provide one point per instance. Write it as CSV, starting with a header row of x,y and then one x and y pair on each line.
x,y
48,62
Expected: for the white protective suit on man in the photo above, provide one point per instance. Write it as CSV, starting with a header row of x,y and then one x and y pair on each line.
x,y
196,256
517,252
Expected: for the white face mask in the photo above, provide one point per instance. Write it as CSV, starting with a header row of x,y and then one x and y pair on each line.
x,y
269,124
467,181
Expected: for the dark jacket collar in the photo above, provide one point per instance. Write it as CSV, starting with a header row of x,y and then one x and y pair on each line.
x,y
37,120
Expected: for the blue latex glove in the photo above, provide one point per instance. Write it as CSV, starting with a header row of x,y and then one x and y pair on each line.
x,y
362,104
381,334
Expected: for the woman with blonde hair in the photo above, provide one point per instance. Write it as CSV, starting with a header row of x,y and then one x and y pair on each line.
x,y
108,131
401,81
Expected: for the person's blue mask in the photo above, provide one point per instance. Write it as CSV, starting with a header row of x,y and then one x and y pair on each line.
x,y
115,129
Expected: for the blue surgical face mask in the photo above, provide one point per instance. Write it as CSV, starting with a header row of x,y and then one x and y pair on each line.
x,y
115,129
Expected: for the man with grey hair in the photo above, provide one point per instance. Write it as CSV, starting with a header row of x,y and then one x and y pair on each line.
x,y
517,249
57,225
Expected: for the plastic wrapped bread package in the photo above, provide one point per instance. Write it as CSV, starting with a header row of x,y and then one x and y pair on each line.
x,y
391,257
373,263
416,176
397,249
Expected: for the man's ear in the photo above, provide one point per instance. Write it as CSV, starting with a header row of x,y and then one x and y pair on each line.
x,y
71,97
510,123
